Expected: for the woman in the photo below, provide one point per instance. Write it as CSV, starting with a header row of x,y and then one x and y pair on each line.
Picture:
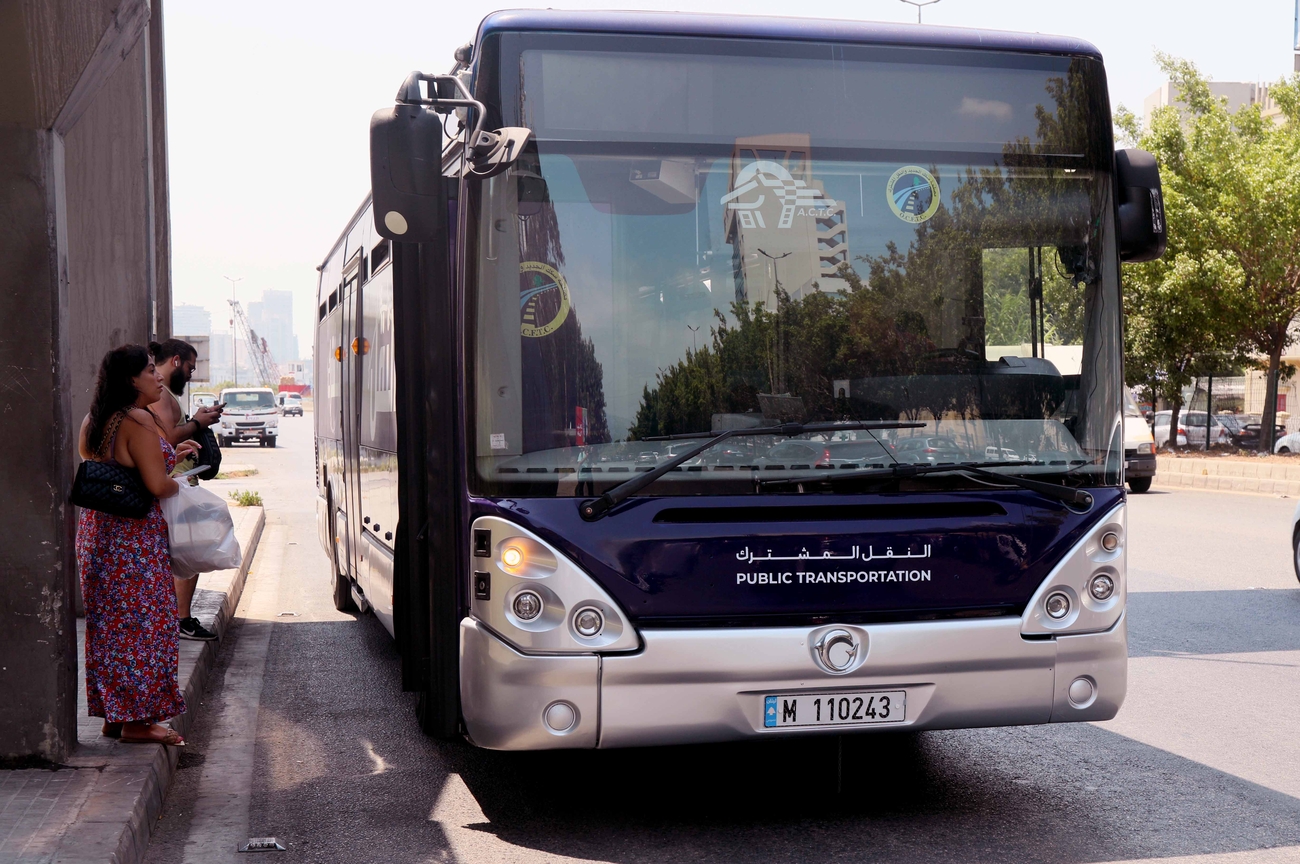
x,y
125,564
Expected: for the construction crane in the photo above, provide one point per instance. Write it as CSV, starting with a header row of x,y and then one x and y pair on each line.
x,y
258,351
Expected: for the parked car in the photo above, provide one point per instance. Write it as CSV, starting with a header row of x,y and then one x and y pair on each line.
x,y
1191,429
1234,422
993,453
1248,437
290,403
799,453
935,448
202,399
1139,447
1287,443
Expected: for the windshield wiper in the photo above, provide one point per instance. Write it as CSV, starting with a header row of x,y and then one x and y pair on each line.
x,y
595,508
975,469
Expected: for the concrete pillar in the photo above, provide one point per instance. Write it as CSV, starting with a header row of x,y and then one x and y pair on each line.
x,y
83,267
38,662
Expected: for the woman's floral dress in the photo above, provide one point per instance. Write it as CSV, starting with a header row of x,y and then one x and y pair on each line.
x,y
130,600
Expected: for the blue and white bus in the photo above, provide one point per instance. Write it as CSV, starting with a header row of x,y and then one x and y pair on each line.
x,y
692,378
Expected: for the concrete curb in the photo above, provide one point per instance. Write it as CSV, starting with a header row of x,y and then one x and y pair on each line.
x,y
117,816
1259,477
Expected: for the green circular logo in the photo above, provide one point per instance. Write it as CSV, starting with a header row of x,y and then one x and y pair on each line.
x,y
913,194
543,299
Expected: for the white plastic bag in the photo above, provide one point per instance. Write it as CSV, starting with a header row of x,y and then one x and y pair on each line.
x,y
201,531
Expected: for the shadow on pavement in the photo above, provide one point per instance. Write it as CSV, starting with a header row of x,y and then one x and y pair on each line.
x,y
1058,794
345,774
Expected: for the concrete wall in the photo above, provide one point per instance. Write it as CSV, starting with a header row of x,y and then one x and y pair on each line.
x,y
83,267
108,259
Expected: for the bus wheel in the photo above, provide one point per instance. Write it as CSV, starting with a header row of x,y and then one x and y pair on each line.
x,y
341,587
432,720
1139,484
342,593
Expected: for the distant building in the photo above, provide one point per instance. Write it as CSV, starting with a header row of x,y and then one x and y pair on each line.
x,y
219,355
272,319
299,370
1238,93
782,228
191,320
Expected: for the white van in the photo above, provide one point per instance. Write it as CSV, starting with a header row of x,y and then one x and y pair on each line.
x,y
251,415
1139,447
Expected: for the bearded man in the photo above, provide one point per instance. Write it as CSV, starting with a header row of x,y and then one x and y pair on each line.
x,y
176,360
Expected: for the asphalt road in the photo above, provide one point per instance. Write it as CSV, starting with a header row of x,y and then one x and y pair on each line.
x,y
308,737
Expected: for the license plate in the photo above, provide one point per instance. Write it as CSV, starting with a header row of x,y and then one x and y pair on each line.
x,y
835,709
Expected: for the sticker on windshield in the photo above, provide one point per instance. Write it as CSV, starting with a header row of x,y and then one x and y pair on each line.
x,y
543,299
913,194
756,180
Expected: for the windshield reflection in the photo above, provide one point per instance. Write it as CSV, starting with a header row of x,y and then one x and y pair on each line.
x,y
626,293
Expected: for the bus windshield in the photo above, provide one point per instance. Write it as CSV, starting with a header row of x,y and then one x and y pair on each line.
x,y
914,235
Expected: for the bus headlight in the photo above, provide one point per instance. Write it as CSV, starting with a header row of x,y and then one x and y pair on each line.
x,y
588,622
528,605
1101,587
539,600
1084,592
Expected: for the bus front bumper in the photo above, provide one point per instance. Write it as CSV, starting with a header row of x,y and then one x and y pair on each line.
x,y
693,686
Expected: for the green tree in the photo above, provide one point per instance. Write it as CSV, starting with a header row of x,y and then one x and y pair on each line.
x,y
1230,280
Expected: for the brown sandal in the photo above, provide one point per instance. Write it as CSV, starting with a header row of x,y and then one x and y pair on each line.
x,y
111,730
156,734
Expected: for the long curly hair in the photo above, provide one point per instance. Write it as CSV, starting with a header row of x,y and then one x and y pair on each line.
x,y
114,390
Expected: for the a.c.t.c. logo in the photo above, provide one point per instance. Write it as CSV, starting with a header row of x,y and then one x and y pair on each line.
x,y
913,194
543,299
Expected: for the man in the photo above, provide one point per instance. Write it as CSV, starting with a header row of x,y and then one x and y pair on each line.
x,y
176,361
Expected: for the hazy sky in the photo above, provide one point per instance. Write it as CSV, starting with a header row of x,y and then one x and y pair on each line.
x,y
269,104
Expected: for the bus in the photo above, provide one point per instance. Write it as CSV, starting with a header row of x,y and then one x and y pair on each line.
x,y
691,378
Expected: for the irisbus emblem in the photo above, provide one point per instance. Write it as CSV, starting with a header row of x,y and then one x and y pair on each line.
x,y
913,194
543,299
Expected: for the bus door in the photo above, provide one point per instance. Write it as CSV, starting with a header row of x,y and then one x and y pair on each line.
x,y
350,406
377,439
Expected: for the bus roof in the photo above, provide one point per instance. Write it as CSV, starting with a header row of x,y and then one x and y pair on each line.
x,y
798,29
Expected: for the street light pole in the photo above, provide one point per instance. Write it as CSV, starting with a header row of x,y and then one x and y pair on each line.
x,y
693,330
776,274
918,6
234,338
778,381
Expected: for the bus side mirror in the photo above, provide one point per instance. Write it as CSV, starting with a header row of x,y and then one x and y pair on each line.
x,y
1142,229
406,173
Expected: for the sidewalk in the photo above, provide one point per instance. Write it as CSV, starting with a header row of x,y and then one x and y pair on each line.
x,y
101,805
1228,474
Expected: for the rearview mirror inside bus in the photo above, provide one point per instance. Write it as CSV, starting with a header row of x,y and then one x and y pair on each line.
x,y
1142,229
406,173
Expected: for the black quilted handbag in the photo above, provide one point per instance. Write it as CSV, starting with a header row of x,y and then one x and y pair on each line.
x,y
209,454
111,488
